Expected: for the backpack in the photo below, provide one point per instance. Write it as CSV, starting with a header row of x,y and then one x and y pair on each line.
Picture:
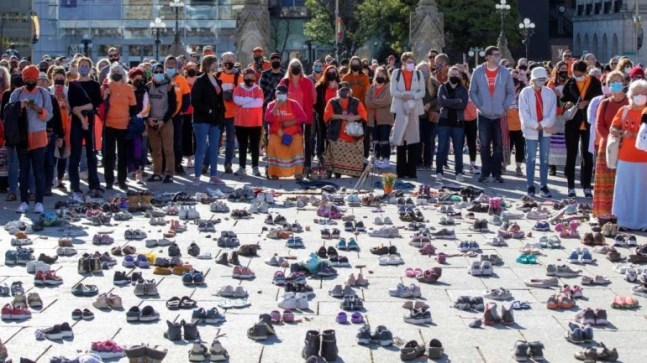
x,y
16,124
397,78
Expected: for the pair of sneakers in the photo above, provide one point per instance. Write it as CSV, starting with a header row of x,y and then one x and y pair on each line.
x,y
382,336
262,329
293,301
579,333
524,350
491,316
215,353
174,331
24,208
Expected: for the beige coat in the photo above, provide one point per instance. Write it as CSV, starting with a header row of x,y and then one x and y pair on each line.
x,y
406,127
379,106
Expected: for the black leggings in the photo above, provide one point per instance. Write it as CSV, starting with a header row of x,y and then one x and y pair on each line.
x,y
518,142
248,137
471,130
575,138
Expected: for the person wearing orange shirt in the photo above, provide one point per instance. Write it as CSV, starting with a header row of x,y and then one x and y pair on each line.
x,y
121,99
183,101
629,197
345,151
248,122
359,84
260,63
230,80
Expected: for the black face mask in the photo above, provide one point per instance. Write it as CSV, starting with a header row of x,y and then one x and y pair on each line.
x,y
331,77
563,74
116,77
523,67
137,82
249,82
355,67
190,73
454,80
30,86
380,80
258,59
228,65
296,70
59,82
276,64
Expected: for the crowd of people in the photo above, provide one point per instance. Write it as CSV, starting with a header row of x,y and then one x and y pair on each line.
x,y
58,116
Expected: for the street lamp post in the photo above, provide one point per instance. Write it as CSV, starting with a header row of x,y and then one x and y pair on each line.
x,y
476,52
527,29
503,9
176,5
156,26
87,43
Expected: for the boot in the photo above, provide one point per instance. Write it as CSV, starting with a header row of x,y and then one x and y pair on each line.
x,y
234,259
312,344
223,259
507,318
145,203
134,200
190,331
329,345
136,353
174,331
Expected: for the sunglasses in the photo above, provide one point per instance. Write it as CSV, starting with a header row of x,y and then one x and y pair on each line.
x,y
568,56
158,72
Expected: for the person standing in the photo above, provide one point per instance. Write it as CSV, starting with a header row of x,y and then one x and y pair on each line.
x,y
160,125
492,91
452,99
248,121
537,112
183,101
579,91
36,107
408,89
260,64
380,119
229,80
359,83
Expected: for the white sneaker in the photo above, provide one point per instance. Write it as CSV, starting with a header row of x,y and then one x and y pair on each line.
x,y
77,197
439,177
38,208
459,177
240,172
23,208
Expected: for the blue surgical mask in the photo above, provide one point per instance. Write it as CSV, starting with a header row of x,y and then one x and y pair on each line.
x,y
616,87
318,69
84,70
158,77
281,97
170,71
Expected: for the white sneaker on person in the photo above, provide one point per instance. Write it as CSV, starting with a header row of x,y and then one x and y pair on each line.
x,y
459,177
255,171
240,172
439,177
38,208
22,208
77,197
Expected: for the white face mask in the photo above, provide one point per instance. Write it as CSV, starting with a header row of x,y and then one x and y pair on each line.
x,y
579,79
409,67
540,82
639,100
627,70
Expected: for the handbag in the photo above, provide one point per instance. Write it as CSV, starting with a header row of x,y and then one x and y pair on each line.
x,y
641,138
613,144
354,129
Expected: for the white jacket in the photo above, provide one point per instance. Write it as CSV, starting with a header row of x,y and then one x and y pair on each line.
x,y
528,111
406,127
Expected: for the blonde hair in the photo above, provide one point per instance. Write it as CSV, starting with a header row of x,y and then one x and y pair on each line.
x,y
293,62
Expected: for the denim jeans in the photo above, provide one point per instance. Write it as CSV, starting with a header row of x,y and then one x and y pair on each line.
x,y
77,136
12,169
491,146
177,140
457,135
50,161
380,138
531,156
230,140
428,132
206,134
33,159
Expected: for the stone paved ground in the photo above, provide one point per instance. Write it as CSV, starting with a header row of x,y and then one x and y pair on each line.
x,y
462,344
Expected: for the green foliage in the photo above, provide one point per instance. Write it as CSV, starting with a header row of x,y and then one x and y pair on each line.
x,y
468,23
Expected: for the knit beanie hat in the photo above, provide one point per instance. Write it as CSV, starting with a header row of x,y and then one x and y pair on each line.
x,y
30,72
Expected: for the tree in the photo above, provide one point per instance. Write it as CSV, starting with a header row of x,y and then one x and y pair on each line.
x,y
389,22
321,26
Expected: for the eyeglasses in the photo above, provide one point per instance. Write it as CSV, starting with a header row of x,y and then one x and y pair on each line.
x,y
568,56
158,72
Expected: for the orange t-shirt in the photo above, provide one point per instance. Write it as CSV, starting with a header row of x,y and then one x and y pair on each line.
x,y
359,83
631,123
408,76
230,106
491,78
514,122
329,112
181,88
122,96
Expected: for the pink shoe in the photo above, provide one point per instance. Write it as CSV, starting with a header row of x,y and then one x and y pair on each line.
x,y
275,315
441,258
577,292
427,249
573,226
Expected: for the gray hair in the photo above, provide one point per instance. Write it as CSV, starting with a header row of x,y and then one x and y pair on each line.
x,y
634,86
116,68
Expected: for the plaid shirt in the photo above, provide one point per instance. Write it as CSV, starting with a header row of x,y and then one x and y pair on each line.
x,y
269,81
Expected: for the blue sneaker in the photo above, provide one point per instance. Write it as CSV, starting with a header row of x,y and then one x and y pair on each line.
x,y
463,246
341,245
352,245
198,315
198,278
23,256
586,257
474,246
326,270
10,257
187,278
213,317
313,262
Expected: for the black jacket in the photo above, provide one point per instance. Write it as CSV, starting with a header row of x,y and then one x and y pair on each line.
x,y
208,106
572,94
